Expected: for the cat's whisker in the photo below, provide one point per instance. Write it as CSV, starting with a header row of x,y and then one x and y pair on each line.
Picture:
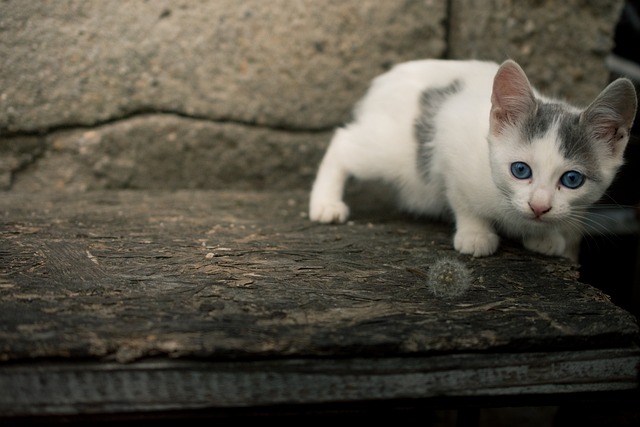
x,y
613,221
591,239
598,224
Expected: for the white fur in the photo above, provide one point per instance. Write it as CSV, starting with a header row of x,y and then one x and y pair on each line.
x,y
467,167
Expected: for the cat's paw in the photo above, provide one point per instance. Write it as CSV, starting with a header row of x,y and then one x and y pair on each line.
x,y
476,243
334,212
548,244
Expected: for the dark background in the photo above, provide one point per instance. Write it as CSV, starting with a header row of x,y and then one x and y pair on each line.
x,y
611,261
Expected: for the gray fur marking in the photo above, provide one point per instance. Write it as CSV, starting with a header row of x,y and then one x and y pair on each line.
x,y
576,144
538,124
574,140
425,128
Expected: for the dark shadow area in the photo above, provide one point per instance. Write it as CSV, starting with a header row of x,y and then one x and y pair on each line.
x,y
610,257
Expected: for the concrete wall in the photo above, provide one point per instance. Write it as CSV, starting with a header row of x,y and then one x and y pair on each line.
x,y
243,94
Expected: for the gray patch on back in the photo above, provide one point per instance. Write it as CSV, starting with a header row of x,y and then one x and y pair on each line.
x,y
425,128
574,142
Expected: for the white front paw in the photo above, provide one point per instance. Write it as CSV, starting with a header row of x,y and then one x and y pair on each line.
x,y
476,243
549,244
336,212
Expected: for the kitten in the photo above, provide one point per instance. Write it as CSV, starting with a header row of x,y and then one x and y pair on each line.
x,y
474,142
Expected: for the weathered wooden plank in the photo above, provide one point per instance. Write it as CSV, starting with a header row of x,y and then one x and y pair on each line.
x,y
161,385
227,299
128,275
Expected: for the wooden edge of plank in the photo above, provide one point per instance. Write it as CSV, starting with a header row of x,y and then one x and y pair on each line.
x,y
62,388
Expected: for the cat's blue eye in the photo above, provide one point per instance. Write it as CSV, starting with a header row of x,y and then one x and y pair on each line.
x,y
572,179
521,170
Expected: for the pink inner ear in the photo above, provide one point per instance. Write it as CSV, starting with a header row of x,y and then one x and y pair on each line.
x,y
498,121
606,130
512,98
609,130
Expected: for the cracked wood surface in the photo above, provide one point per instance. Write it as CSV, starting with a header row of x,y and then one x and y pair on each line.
x,y
121,276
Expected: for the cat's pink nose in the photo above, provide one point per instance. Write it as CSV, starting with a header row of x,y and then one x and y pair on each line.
x,y
539,210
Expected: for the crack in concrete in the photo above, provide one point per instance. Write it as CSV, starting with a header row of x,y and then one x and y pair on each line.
x,y
6,133
22,152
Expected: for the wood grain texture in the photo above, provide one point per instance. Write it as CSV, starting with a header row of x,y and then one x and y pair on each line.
x,y
244,278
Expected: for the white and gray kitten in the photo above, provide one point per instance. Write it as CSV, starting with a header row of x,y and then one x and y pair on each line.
x,y
474,141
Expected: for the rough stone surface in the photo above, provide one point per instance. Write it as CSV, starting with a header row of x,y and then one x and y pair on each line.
x,y
169,152
281,63
16,154
561,45
244,94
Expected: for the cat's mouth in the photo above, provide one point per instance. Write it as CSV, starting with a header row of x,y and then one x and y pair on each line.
x,y
540,220
535,219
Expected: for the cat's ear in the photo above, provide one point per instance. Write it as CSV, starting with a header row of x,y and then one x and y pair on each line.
x,y
512,98
609,118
